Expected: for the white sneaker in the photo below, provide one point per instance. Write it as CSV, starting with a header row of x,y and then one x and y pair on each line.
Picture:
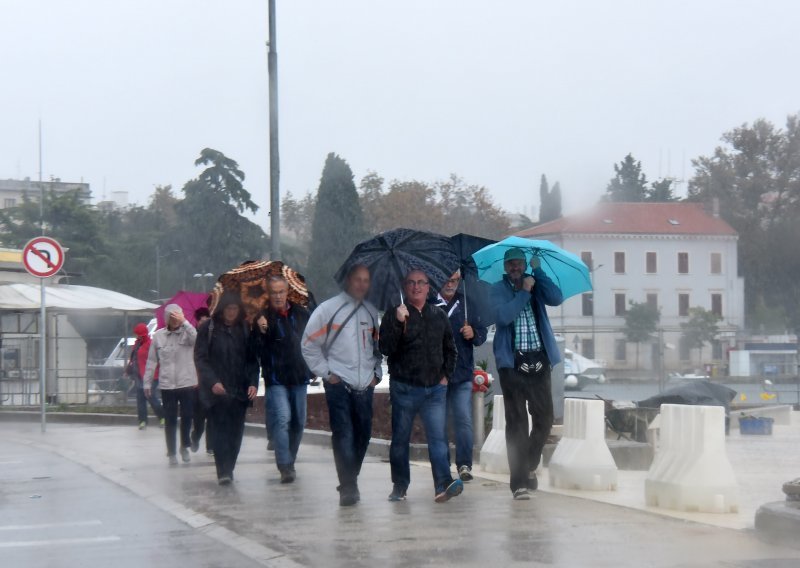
x,y
185,455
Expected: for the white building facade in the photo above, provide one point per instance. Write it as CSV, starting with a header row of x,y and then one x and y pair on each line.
x,y
676,256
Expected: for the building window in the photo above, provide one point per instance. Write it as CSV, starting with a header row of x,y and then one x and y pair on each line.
x,y
620,306
716,304
587,348
652,300
620,350
683,263
9,202
586,257
651,262
587,304
716,350
619,262
685,351
716,263
683,305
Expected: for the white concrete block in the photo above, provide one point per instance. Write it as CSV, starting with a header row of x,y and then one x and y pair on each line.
x,y
582,459
691,471
494,456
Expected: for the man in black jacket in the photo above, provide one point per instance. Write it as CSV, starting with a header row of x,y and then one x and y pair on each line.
x,y
417,339
227,369
286,375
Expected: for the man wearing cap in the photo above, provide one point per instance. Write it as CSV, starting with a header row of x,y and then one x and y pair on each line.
x,y
525,350
135,371
172,353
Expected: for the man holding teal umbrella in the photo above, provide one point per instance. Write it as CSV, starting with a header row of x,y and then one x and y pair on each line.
x,y
525,350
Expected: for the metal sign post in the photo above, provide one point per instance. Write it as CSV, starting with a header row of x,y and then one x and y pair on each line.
x,y
43,257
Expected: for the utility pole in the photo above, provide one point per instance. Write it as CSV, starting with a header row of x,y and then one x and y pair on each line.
x,y
274,159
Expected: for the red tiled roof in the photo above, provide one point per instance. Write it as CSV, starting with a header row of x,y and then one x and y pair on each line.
x,y
637,218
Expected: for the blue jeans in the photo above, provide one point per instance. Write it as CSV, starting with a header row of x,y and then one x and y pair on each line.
x,y
286,416
459,411
350,414
431,404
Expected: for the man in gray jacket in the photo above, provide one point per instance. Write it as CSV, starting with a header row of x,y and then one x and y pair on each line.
x,y
340,345
172,353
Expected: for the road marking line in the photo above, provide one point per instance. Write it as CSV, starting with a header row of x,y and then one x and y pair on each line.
x,y
59,542
93,523
15,462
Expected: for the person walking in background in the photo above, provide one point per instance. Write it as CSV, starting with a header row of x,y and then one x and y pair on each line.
x,y
135,370
172,353
418,340
459,387
227,366
200,420
286,375
340,345
525,350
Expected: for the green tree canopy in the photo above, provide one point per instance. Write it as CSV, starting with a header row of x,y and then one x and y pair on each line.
x,y
641,322
702,327
629,183
549,201
338,225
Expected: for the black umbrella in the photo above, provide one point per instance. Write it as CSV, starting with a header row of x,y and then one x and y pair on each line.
x,y
390,256
702,393
476,291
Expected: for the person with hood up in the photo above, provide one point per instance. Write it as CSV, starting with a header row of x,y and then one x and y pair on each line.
x,y
340,345
172,354
200,422
227,365
135,370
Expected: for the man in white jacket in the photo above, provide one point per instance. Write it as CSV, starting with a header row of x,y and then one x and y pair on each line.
x,y
172,353
340,345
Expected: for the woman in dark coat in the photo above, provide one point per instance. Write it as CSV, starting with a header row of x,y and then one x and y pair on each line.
x,y
227,367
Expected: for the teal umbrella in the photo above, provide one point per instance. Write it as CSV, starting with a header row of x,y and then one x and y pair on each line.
x,y
565,269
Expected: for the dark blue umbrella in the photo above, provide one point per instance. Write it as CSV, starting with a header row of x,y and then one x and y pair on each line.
x,y
476,291
390,256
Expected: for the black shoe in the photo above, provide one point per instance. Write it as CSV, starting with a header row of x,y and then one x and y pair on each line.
x,y
522,494
348,498
225,480
195,445
288,475
533,482
397,494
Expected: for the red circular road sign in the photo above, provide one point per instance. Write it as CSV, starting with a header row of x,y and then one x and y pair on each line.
x,y
43,257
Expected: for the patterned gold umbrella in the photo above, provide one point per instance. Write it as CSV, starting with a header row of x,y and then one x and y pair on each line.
x,y
250,279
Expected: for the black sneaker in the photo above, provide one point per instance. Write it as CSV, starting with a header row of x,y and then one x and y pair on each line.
x,y
397,494
288,476
225,480
533,482
465,473
195,445
347,497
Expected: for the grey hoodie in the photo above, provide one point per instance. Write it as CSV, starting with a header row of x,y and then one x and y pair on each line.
x,y
353,357
172,353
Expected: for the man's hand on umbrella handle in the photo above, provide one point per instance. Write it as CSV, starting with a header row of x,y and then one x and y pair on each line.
x,y
402,313
251,392
147,393
218,389
467,332
262,324
535,262
528,283
443,382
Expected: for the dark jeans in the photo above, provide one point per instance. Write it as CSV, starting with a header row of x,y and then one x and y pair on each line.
x,y
431,404
142,401
175,399
286,416
523,394
201,421
351,428
459,412
226,420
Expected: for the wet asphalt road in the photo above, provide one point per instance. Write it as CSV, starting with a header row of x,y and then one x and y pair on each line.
x,y
55,514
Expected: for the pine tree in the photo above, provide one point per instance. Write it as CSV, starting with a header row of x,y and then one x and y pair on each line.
x,y
549,201
629,184
338,225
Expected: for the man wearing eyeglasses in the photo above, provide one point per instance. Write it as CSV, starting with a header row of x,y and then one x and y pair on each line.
x,y
467,335
418,340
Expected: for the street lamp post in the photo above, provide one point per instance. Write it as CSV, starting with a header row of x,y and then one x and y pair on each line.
x,y
274,159
201,277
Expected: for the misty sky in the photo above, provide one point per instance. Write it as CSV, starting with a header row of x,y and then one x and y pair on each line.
x,y
498,92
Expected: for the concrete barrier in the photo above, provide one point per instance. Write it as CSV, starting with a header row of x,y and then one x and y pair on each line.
x,y
582,459
691,471
494,456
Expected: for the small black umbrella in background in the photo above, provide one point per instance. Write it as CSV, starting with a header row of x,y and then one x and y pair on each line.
x,y
390,256
476,291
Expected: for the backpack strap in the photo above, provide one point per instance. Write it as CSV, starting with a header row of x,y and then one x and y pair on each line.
x,y
326,346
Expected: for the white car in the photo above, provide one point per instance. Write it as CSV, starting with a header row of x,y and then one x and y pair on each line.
x,y
580,371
